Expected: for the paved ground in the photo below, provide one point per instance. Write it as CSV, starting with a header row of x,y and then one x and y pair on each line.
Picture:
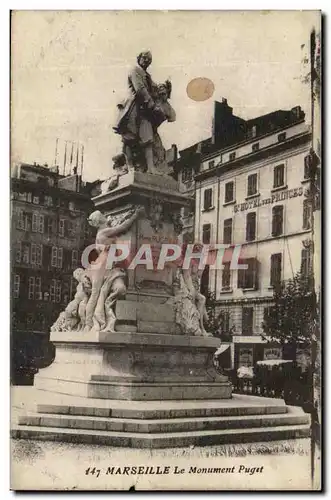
x,y
57,466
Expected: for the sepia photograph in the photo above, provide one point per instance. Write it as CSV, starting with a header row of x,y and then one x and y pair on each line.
x,y
165,234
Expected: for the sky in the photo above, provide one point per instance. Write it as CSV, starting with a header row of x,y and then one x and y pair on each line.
x,y
69,70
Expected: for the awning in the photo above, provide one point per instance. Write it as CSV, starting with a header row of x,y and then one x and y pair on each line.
x,y
221,349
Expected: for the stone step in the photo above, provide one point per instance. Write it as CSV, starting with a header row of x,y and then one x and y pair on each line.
x,y
152,410
163,425
161,440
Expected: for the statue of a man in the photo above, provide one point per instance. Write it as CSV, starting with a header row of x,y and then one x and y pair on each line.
x,y
142,113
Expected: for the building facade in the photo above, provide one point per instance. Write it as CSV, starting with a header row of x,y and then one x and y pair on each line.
x,y
250,183
49,230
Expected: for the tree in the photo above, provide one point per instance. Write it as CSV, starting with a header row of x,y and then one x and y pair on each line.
x,y
291,318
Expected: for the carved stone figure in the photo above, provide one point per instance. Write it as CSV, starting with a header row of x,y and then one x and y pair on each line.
x,y
73,317
190,304
119,168
107,284
141,115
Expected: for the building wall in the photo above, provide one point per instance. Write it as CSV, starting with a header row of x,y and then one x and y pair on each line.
x,y
289,244
48,233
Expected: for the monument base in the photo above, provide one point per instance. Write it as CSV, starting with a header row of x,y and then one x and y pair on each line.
x,y
146,391
47,416
134,366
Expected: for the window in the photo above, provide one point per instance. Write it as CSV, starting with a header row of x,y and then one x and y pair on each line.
x,y
229,192
73,286
22,196
279,177
16,290
225,321
281,137
226,276
227,231
50,226
248,278
59,257
33,253
267,312
211,164
206,230
307,167
275,269
277,220
58,287
39,255
41,224
306,261
61,227
37,289
18,255
254,130
207,199
252,184
187,174
70,228
29,197
52,290
20,224
247,320
74,258
54,257
232,156
255,147
307,214
48,201
204,282
36,200
26,253
251,226
35,222
31,285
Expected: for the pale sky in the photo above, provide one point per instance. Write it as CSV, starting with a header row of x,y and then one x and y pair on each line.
x,y
69,70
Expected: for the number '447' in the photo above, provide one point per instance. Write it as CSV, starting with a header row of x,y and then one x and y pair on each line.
x,y
93,471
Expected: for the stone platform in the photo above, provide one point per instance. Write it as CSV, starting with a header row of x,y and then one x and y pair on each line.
x,y
156,424
134,366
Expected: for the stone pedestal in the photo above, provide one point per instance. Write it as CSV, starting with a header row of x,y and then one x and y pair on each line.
x,y
160,197
134,366
147,358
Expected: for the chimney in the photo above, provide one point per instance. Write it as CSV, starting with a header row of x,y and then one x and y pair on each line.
x,y
222,121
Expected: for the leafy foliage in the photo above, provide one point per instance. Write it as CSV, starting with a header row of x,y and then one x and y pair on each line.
x,y
292,317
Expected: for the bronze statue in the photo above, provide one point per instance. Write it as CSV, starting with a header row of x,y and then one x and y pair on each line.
x,y
141,115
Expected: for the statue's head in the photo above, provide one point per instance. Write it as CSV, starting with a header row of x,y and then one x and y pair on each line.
x,y
96,219
144,59
78,273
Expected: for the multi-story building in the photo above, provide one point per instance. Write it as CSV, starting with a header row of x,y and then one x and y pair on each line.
x,y
249,182
49,230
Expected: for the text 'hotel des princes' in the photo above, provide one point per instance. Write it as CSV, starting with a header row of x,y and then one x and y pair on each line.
x,y
247,184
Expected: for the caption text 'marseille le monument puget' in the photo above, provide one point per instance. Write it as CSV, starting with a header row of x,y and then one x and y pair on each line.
x,y
132,342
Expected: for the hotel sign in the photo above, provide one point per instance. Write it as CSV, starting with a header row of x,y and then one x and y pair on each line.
x,y
274,198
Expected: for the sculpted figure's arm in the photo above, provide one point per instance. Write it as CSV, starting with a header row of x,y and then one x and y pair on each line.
x,y
111,232
137,77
